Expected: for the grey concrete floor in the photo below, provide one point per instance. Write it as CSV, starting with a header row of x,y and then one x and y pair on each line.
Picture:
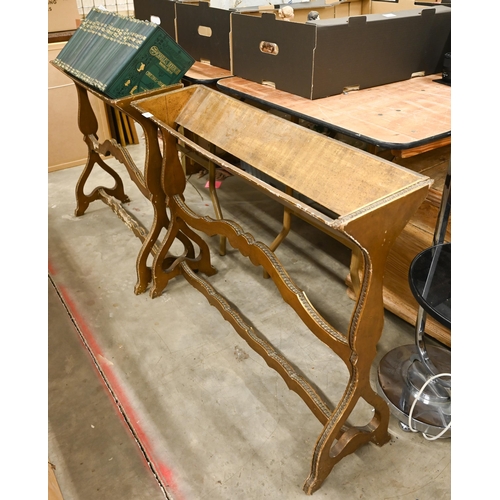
x,y
160,398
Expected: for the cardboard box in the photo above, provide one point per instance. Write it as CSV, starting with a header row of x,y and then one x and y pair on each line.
x,y
287,64
205,33
65,141
328,57
161,12
63,15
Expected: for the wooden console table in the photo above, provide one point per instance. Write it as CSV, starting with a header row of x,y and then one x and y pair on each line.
x,y
373,199
405,119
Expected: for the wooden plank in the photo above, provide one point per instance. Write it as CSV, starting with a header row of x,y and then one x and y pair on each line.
x,y
133,130
119,126
54,490
201,72
60,36
126,129
407,153
416,237
397,294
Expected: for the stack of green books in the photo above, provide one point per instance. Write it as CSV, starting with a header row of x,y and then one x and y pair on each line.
x,y
121,56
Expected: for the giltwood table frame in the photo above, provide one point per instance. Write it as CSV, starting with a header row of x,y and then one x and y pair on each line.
x,y
373,200
370,216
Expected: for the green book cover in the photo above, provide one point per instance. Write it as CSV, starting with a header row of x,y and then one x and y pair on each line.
x,y
158,63
121,56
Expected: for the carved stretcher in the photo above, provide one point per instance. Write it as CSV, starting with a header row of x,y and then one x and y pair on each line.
x,y
371,199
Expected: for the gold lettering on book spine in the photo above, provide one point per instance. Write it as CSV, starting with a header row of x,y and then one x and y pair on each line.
x,y
165,62
153,77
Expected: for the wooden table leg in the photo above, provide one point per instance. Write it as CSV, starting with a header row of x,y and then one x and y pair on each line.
x,y
87,123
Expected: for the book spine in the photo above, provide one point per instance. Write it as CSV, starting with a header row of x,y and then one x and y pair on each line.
x,y
79,54
101,45
91,64
79,40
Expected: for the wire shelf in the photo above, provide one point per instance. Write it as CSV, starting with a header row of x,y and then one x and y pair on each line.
x,y
123,7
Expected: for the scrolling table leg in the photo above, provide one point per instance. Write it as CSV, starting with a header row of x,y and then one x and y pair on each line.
x,y
87,123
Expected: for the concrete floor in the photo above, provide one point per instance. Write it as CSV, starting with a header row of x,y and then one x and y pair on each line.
x,y
160,398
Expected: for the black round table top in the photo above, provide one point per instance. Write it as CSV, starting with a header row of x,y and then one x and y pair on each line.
x,y
430,282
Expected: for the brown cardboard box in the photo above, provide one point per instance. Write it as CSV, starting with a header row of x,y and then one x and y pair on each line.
x,y
66,147
63,15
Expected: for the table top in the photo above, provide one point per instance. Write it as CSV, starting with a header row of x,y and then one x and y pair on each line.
x,y
206,73
401,115
430,281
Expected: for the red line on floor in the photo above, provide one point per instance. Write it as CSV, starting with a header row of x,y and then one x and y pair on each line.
x,y
164,472
52,271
